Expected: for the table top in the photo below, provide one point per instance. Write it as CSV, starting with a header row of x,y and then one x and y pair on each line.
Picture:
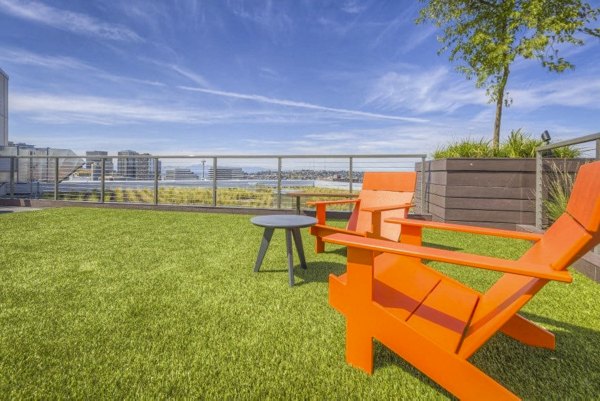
x,y
283,221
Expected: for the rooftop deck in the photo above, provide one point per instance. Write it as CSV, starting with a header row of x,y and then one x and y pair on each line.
x,y
98,303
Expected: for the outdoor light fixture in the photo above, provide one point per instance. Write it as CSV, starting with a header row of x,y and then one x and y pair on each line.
x,y
546,137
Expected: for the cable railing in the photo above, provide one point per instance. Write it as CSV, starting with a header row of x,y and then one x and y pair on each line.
x,y
219,181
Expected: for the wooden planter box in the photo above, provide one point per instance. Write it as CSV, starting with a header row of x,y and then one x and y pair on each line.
x,y
485,192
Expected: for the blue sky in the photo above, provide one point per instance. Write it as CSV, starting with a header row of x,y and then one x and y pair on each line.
x,y
292,77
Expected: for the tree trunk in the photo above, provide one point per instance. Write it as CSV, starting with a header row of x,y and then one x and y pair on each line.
x,y
499,105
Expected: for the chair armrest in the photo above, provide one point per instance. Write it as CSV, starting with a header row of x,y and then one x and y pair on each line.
x,y
387,207
332,202
466,229
458,258
321,207
376,215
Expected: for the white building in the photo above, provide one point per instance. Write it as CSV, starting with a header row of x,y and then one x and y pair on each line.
x,y
181,174
226,173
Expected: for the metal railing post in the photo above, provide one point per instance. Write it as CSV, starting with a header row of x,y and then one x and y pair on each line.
x,y
156,180
350,173
279,183
538,189
102,179
11,185
56,178
422,184
214,182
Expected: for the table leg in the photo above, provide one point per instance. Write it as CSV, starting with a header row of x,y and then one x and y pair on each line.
x,y
290,254
299,248
263,247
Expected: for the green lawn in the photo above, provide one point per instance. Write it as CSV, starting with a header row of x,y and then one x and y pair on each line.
x,y
98,303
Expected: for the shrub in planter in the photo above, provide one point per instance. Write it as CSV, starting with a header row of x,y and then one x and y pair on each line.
x,y
518,145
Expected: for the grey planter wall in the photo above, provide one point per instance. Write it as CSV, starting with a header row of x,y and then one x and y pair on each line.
x,y
484,192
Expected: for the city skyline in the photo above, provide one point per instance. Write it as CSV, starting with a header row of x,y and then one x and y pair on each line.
x,y
262,78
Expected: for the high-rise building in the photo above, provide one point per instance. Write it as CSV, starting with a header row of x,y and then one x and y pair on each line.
x,y
94,162
136,168
3,108
144,168
126,165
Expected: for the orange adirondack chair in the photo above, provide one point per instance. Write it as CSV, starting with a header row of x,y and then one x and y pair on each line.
x,y
383,195
436,323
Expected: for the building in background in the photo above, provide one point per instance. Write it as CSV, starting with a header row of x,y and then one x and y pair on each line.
x,y
144,167
93,161
39,168
29,170
226,173
181,174
126,165
132,165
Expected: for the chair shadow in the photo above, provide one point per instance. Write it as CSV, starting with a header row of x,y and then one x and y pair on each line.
x,y
342,250
510,363
439,246
337,251
318,272
263,270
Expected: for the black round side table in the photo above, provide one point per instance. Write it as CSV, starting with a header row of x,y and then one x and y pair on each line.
x,y
292,225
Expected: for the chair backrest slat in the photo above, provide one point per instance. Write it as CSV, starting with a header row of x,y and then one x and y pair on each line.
x,y
386,181
381,189
584,202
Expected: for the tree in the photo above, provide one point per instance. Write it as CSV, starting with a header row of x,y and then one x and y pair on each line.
x,y
488,35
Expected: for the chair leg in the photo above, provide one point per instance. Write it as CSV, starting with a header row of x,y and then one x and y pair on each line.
x,y
529,333
319,245
359,346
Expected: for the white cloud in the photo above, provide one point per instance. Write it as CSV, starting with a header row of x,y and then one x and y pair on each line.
x,y
270,15
418,35
333,136
24,57
66,109
354,7
303,105
570,92
61,63
194,77
67,20
434,90
101,110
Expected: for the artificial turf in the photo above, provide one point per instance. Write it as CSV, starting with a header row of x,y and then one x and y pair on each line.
x,y
98,303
